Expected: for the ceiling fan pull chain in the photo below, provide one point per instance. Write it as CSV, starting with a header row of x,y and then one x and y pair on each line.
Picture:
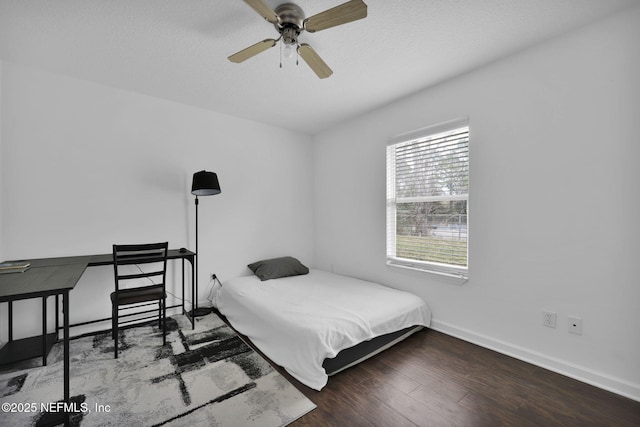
x,y
281,55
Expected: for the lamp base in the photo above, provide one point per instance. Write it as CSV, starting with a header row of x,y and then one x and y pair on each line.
x,y
201,311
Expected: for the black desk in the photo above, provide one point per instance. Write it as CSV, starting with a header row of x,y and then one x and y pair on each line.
x,y
56,277
44,279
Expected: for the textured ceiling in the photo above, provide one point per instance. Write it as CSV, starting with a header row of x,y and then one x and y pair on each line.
x,y
177,49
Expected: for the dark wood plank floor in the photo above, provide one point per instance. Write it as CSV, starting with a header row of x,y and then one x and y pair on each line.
x,y
432,379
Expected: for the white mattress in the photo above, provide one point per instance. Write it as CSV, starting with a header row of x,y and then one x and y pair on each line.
x,y
299,321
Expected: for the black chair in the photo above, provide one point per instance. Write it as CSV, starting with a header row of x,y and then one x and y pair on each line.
x,y
131,262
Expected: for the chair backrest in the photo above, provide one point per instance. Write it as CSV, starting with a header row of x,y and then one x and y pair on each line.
x,y
154,255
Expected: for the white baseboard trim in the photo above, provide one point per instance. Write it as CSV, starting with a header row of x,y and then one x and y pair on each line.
x,y
585,375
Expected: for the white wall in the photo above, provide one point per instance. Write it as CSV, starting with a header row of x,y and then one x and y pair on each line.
x,y
85,166
1,162
554,202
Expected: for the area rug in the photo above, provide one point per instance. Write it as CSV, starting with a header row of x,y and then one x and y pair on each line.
x,y
202,377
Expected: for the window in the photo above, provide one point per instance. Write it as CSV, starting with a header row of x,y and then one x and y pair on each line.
x,y
427,199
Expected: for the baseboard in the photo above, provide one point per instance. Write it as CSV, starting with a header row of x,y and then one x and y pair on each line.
x,y
597,379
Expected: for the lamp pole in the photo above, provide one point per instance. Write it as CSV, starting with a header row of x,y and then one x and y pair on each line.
x,y
204,184
195,279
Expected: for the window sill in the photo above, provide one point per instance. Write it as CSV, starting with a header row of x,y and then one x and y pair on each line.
x,y
458,277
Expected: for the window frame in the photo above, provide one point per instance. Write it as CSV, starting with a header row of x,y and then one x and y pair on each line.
x,y
449,270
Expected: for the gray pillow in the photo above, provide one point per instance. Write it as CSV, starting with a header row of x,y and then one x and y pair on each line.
x,y
278,267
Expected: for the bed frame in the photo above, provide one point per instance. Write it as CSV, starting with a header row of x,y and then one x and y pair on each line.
x,y
349,356
360,352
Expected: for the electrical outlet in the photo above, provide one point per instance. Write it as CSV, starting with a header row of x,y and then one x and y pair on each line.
x,y
549,319
575,325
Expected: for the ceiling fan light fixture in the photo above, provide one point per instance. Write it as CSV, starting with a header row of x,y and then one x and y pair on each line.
x,y
290,35
288,51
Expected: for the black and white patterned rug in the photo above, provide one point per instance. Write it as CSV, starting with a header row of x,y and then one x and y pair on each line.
x,y
202,377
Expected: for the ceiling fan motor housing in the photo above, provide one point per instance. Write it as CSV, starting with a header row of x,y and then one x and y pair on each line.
x,y
290,22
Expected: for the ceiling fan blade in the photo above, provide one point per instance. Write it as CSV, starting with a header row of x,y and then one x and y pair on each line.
x,y
314,61
252,50
263,10
341,14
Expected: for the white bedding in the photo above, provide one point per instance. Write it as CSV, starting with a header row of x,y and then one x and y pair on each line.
x,y
299,321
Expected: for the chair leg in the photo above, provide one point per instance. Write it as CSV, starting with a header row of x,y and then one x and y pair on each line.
x,y
164,321
115,331
113,321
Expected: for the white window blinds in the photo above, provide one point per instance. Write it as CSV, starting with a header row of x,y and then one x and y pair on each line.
x,y
427,199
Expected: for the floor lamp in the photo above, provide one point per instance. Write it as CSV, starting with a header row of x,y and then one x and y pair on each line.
x,y
204,184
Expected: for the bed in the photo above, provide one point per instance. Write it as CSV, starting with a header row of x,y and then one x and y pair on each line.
x,y
319,323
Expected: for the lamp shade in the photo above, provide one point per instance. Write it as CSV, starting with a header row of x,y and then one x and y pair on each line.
x,y
205,184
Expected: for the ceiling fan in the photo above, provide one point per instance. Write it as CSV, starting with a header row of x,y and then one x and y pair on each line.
x,y
290,21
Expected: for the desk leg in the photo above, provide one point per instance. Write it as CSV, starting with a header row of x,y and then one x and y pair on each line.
x,y
183,286
57,315
44,331
10,312
194,297
65,316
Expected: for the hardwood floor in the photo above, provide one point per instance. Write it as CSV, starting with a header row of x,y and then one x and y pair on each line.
x,y
432,379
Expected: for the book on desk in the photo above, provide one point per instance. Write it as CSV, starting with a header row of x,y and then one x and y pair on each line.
x,y
14,266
